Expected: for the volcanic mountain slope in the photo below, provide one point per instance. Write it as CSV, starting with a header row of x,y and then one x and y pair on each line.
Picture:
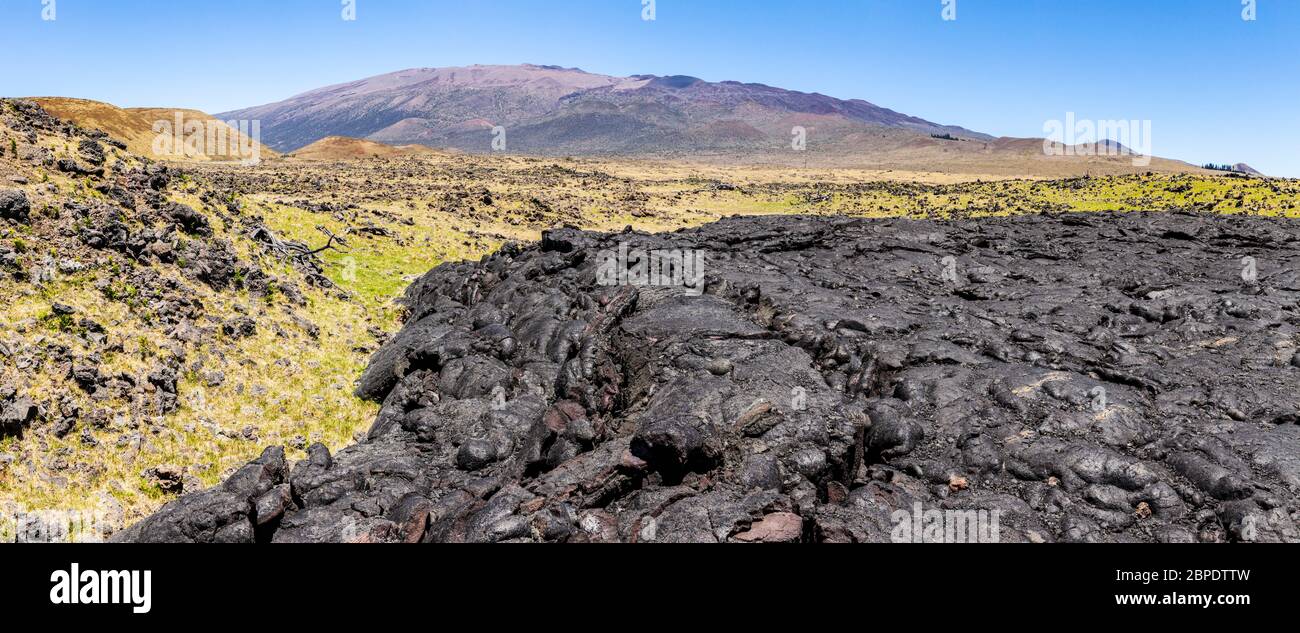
x,y
1074,377
139,129
550,110
546,110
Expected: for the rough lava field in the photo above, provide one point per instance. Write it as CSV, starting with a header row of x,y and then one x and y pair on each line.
x,y
1091,377
419,349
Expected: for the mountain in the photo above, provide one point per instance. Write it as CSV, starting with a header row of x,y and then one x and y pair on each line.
x,y
121,277
139,129
345,148
553,110
556,111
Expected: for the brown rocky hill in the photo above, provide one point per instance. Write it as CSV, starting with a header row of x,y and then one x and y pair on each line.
x,y
344,148
146,131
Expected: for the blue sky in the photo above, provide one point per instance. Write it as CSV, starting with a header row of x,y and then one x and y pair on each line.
x,y
1216,87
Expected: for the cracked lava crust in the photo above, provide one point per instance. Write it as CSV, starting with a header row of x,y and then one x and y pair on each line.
x,y
1091,377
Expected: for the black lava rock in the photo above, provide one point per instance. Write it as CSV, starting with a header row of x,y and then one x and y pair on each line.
x,y
14,205
1089,377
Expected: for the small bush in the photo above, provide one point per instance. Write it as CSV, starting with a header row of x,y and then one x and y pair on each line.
x,y
146,347
122,291
61,323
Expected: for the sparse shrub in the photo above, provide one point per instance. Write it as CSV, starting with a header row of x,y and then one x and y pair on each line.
x,y
123,292
60,322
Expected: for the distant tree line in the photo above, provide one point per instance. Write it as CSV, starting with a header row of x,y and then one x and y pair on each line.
x,y
945,137
1214,167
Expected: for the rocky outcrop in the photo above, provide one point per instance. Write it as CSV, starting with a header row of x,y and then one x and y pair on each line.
x,y
16,412
228,513
1098,377
137,265
14,205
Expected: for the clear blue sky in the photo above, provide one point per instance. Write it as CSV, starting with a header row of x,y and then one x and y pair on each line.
x,y
1216,88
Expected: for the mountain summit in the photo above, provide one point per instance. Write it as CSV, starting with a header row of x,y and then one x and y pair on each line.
x,y
554,110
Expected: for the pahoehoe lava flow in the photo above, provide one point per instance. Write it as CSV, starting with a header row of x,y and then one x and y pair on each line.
x,y
1090,377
